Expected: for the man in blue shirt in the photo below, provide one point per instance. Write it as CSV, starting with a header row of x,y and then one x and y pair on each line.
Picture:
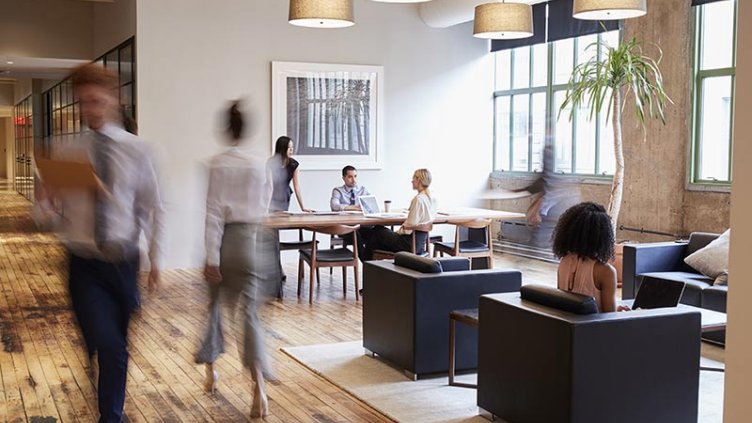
x,y
345,197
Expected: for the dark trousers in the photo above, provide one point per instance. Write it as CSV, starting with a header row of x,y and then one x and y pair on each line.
x,y
104,295
381,238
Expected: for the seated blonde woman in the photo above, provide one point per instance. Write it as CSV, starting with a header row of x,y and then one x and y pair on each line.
x,y
422,211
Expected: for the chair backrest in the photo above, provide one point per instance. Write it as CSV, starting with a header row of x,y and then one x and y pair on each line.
x,y
334,229
416,262
558,299
425,228
472,224
698,240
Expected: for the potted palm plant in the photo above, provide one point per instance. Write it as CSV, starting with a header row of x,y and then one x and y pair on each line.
x,y
624,75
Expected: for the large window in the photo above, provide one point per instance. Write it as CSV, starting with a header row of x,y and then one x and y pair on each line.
x,y
714,69
531,84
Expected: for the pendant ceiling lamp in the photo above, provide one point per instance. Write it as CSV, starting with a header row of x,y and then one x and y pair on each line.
x,y
608,9
501,20
321,13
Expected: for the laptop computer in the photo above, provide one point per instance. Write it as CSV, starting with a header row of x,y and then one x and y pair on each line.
x,y
658,293
370,207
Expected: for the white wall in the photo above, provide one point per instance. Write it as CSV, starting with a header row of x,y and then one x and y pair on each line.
x,y
21,89
113,24
193,56
737,406
6,94
46,28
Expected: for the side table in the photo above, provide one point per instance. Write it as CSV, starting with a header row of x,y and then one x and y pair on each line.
x,y
470,318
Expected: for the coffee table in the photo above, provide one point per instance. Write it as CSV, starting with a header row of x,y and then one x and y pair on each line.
x,y
710,321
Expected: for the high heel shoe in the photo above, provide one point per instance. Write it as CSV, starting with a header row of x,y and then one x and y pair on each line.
x,y
212,377
260,407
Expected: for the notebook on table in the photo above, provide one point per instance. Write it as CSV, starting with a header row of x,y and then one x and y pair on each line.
x,y
369,205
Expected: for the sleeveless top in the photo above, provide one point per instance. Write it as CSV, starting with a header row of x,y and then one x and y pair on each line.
x,y
575,274
281,177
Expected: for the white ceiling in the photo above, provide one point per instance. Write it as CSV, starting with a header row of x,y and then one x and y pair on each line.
x,y
445,13
31,67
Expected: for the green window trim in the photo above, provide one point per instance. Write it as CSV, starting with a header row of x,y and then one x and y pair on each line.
x,y
699,77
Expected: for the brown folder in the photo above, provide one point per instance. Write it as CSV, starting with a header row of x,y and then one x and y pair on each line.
x,y
60,175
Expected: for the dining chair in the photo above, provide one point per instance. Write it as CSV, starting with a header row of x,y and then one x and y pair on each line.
x,y
468,248
300,243
424,228
331,257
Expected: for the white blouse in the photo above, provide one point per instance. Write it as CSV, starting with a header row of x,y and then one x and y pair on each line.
x,y
240,188
422,211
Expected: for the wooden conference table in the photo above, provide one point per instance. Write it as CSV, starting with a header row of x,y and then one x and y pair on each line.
x,y
448,215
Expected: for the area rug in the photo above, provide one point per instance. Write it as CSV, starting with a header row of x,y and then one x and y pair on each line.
x,y
387,390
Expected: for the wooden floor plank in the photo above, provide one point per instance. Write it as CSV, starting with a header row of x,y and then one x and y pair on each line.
x,y
45,371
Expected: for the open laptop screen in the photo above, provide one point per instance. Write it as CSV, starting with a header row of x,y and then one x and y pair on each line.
x,y
658,293
369,204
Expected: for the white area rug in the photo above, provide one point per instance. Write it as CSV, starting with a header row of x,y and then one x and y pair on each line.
x,y
430,400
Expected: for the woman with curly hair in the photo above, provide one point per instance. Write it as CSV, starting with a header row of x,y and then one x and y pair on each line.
x,y
584,241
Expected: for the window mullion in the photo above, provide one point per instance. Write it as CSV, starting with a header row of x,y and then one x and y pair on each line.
x,y
731,129
597,167
530,112
574,114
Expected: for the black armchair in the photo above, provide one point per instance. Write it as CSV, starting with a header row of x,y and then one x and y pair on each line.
x,y
540,364
406,307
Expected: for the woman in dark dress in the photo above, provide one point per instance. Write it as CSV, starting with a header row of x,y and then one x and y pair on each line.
x,y
284,169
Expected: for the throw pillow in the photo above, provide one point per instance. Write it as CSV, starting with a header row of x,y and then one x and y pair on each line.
x,y
712,260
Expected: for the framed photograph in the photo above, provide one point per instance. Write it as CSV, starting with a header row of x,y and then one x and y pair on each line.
x,y
333,113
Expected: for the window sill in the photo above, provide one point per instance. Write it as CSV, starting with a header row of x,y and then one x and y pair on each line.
x,y
719,188
526,176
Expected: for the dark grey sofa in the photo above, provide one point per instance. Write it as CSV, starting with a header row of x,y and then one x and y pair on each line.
x,y
540,364
406,305
665,260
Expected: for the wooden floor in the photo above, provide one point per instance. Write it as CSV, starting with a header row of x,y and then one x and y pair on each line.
x,y
44,370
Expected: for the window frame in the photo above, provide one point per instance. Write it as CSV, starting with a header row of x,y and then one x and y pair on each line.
x,y
550,90
698,77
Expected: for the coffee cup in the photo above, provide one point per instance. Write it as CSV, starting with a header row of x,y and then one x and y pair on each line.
x,y
387,206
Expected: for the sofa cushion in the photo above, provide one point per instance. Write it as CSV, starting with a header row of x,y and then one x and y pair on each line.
x,y
558,299
454,264
714,298
698,241
418,263
711,260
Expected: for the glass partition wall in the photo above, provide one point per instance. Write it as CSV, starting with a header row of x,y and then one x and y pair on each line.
x,y
62,117
23,118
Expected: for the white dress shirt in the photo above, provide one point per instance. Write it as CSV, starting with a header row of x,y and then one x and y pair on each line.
x,y
134,203
240,188
344,196
422,211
